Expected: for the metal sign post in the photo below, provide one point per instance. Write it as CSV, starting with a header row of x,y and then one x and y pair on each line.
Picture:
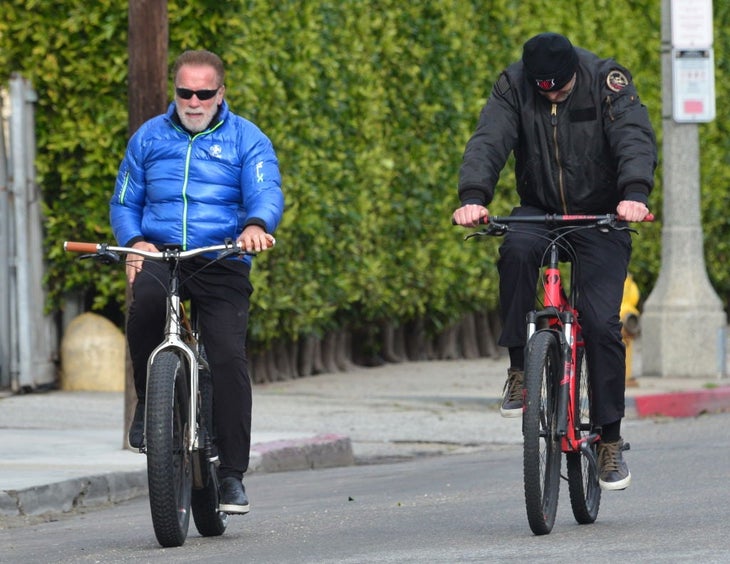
x,y
683,323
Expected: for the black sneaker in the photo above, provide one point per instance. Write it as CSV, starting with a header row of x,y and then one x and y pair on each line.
x,y
613,471
512,399
136,429
233,497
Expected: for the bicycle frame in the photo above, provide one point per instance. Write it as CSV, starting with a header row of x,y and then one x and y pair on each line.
x,y
173,339
560,315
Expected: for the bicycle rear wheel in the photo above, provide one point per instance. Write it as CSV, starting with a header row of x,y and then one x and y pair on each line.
x,y
585,493
541,449
208,520
169,472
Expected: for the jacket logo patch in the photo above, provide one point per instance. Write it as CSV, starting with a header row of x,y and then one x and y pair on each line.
x,y
616,80
259,171
215,151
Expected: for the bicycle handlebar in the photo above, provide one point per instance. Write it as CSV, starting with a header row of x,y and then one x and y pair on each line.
x,y
607,219
101,248
558,219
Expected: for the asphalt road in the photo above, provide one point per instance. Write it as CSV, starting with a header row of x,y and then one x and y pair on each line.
x,y
446,508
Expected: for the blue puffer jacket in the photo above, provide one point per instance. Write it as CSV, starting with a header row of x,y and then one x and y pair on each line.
x,y
196,190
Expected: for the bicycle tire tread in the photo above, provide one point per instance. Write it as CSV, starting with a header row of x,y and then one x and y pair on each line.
x,y
170,520
541,484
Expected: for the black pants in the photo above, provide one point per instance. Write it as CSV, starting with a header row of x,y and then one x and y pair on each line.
x,y
220,294
603,259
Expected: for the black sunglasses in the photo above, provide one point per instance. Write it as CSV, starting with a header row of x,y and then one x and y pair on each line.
x,y
186,93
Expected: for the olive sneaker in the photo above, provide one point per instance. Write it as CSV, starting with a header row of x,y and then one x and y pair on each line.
x,y
512,397
613,472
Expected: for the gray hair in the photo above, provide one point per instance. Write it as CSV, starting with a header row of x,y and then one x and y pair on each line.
x,y
200,57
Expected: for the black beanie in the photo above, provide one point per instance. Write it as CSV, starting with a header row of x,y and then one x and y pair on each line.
x,y
550,61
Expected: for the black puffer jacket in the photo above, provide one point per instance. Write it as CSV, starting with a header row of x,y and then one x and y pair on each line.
x,y
585,154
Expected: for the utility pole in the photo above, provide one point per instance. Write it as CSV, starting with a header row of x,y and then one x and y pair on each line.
x,y
147,92
683,323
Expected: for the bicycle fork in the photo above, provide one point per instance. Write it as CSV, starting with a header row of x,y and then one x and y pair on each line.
x,y
174,341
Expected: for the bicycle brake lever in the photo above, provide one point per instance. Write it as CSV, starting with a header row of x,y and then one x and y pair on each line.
x,y
104,257
228,252
493,229
606,225
497,229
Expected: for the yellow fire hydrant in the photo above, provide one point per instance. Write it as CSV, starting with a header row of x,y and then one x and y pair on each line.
x,y
629,315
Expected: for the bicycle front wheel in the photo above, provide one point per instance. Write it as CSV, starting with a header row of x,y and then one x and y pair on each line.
x,y
169,472
585,493
541,448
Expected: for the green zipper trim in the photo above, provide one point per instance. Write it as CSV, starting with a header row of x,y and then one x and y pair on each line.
x,y
186,176
125,185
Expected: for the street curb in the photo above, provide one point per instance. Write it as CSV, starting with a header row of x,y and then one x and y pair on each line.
x,y
321,451
77,493
683,404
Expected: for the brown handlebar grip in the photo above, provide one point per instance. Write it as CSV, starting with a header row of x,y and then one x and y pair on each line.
x,y
78,247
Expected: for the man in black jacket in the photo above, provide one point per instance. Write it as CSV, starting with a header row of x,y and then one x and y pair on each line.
x,y
582,143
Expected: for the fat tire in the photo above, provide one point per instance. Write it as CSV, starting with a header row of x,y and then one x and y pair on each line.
x,y
585,492
204,502
541,445
169,471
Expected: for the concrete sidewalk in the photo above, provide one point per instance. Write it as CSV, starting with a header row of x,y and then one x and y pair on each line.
x,y
63,450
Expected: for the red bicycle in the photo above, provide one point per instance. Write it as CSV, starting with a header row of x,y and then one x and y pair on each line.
x,y
557,416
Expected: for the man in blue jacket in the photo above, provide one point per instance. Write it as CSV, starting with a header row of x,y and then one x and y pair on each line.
x,y
196,176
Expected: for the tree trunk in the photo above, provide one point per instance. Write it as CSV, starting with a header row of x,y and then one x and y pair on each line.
x,y
343,354
468,336
305,356
485,338
147,49
496,324
448,348
317,361
147,36
329,350
257,369
390,346
281,358
415,341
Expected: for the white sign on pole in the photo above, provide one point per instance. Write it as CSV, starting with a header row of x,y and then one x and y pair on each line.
x,y
691,23
693,84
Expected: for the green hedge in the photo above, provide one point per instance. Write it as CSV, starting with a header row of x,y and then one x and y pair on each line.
x,y
369,104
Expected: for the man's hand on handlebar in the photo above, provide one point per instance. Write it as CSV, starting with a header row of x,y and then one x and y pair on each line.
x,y
470,215
134,262
629,210
254,239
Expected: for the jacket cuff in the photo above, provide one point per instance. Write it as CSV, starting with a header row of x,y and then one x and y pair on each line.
x,y
472,196
133,240
256,221
637,192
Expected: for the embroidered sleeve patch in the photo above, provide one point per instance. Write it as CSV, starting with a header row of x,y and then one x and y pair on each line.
x,y
616,80
502,85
